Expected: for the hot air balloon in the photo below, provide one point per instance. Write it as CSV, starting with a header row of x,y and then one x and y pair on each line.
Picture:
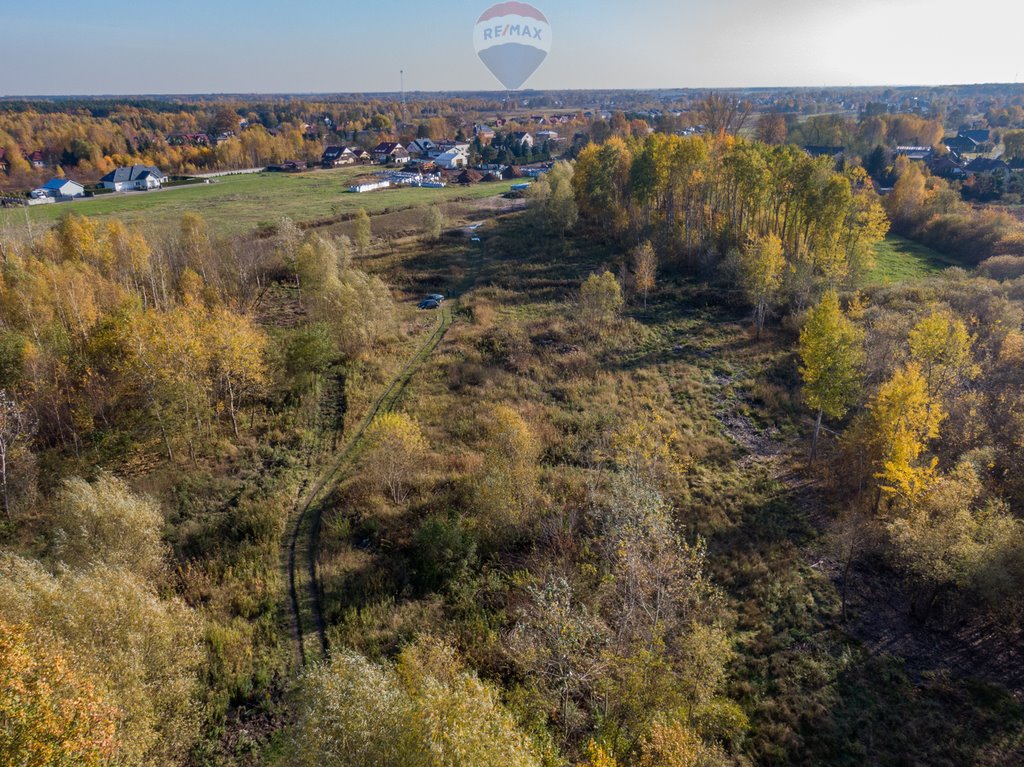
x,y
512,39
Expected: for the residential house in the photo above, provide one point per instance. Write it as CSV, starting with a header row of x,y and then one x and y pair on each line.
x,y
523,138
987,165
336,156
135,177
979,135
923,153
389,151
547,135
485,133
361,155
421,147
947,166
4,165
961,144
60,189
36,159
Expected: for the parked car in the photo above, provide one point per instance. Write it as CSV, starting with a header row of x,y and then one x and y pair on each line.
x,y
436,297
429,303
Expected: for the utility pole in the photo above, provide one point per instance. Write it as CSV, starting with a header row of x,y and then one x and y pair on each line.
x,y
401,73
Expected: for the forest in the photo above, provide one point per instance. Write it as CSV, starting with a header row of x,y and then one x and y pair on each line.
x,y
672,477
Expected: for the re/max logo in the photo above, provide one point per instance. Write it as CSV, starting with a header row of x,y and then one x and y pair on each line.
x,y
512,30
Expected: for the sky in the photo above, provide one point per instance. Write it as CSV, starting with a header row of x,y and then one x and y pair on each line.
x,y
72,47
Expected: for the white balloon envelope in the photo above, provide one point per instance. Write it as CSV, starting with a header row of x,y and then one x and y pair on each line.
x,y
512,39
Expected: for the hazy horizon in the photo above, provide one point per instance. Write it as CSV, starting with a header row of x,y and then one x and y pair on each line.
x,y
240,47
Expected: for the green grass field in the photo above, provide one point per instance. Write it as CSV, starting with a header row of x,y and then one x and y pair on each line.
x,y
898,259
236,204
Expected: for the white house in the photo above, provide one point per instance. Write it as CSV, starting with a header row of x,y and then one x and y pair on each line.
x,y
523,138
140,177
456,157
60,189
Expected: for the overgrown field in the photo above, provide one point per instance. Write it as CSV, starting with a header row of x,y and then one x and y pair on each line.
x,y
684,383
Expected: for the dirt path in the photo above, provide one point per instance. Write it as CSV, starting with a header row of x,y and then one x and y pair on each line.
x,y
302,540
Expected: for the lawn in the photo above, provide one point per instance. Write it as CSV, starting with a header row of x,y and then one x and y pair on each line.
x,y
236,204
898,259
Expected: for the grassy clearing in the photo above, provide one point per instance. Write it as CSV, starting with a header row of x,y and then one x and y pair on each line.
x,y
898,259
236,204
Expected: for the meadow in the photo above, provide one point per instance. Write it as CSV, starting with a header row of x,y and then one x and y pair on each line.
x,y
898,259
237,204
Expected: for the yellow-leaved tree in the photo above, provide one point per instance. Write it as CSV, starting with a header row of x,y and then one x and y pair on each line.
x,y
600,299
645,269
50,712
831,355
506,486
905,420
762,264
426,710
395,454
941,345
143,650
237,358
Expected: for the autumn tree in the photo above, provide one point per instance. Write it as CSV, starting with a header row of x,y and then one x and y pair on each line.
x,y
50,712
600,299
237,358
143,650
761,266
909,193
675,744
959,536
425,710
506,487
665,651
316,264
552,200
103,522
396,452
771,128
433,223
645,269
15,429
905,420
1013,145
360,311
362,230
559,640
941,345
599,180
724,115
832,355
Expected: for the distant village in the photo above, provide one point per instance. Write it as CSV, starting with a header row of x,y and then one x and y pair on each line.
x,y
490,155
499,149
